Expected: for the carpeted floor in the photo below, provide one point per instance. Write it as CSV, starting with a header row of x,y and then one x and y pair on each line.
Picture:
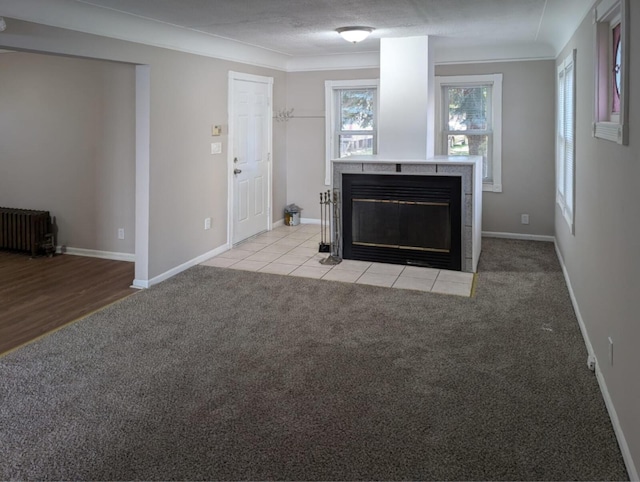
x,y
225,374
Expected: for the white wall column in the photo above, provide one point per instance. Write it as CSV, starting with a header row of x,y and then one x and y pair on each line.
x,y
143,142
406,114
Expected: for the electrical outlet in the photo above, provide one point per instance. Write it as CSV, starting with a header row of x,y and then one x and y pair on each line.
x,y
207,223
524,219
120,233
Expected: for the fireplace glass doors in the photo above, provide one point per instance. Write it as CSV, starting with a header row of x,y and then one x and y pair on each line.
x,y
413,220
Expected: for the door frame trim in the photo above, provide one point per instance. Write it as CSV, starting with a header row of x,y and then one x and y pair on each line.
x,y
233,76
143,179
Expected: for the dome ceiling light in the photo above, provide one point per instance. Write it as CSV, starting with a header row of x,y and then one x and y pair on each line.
x,y
354,34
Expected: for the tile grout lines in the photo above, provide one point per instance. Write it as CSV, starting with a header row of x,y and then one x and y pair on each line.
x,y
293,251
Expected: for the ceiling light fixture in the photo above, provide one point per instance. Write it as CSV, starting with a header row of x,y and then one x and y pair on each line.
x,y
354,34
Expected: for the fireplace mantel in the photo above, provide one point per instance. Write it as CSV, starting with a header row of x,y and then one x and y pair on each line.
x,y
469,168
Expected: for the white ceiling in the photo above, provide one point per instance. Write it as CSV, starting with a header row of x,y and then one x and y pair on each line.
x,y
299,30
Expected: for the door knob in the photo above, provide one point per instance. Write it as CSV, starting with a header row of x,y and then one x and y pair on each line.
x,y
237,171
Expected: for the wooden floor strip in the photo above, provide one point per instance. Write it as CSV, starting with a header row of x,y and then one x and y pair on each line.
x,y
39,295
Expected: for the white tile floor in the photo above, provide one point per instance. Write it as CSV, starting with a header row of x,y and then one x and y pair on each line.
x,y
293,251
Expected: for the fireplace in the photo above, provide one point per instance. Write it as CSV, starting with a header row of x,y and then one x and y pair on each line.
x,y
403,219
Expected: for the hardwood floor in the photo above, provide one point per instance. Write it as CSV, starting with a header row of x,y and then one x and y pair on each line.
x,y
41,294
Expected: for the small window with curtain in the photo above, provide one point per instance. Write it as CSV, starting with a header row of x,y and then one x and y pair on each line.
x,y
611,113
615,82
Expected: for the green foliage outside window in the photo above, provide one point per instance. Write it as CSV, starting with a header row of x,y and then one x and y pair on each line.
x,y
468,111
357,109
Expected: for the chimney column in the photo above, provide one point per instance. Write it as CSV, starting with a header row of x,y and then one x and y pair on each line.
x,y
406,113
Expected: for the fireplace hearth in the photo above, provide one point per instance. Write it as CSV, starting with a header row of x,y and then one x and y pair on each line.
x,y
403,219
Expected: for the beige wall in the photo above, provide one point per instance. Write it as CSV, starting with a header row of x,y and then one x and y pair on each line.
x,y
67,146
603,256
280,163
188,95
528,149
188,184
306,135
528,136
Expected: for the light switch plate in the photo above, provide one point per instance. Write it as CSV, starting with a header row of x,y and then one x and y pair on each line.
x,y
216,148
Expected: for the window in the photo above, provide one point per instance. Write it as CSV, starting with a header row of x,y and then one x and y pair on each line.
x,y
469,122
565,142
616,78
351,120
612,59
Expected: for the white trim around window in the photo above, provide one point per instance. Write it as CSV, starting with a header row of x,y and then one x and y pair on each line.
x,y
331,115
493,183
607,125
565,139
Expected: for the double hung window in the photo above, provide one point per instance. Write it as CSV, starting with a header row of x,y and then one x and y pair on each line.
x,y
351,120
469,122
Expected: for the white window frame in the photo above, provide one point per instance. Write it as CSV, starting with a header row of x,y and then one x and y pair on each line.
x,y
495,80
331,87
606,15
566,167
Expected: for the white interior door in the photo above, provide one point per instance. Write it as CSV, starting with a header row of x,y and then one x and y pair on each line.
x,y
250,128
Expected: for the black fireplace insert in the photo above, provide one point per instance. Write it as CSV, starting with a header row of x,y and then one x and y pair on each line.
x,y
403,219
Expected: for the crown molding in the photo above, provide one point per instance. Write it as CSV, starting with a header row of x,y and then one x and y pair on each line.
x,y
365,60
81,17
86,18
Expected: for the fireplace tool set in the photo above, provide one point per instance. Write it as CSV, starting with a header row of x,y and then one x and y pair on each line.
x,y
329,203
325,206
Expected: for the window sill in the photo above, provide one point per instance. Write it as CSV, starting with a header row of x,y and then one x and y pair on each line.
x,y
566,215
491,187
610,131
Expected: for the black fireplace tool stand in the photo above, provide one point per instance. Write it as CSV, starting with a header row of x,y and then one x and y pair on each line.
x,y
329,206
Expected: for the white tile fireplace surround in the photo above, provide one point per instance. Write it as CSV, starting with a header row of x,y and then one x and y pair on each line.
x,y
468,168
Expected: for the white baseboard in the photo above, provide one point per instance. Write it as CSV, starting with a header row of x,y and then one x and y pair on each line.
x,y
179,269
140,284
525,237
302,221
613,415
574,302
143,284
310,221
94,253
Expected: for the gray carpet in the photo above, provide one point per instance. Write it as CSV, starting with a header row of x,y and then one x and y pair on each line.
x,y
225,374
